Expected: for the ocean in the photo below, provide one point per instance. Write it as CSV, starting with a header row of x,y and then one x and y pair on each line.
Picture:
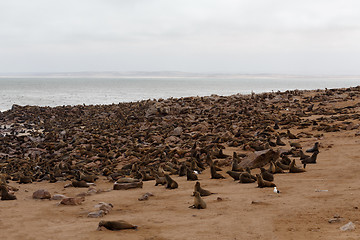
x,y
73,91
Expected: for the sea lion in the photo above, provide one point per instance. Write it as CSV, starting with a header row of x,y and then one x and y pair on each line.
x,y
234,175
198,201
235,164
303,155
279,142
159,180
282,166
182,171
315,148
25,180
294,169
266,175
190,175
145,176
290,135
79,184
115,225
246,177
249,171
5,195
203,192
295,145
214,174
310,160
275,169
263,183
170,183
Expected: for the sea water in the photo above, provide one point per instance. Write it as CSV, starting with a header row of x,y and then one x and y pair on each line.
x,y
73,91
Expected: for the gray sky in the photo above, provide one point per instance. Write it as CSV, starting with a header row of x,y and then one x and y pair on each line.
x,y
230,36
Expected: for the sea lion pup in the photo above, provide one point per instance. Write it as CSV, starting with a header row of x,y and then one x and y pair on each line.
x,y
115,225
266,175
79,184
5,195
159,180
170,183
190,175
203,192
25,179
282,166
235,164
246,177
234,175
145,176
315,148
198,202
294,169
182,171
263,183
290,135
214,174
279,142
275,169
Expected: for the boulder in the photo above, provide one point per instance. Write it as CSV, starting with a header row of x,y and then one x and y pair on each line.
x,y
259,159
41,194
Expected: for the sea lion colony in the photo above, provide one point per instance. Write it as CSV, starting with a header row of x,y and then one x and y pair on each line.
x,y
153,139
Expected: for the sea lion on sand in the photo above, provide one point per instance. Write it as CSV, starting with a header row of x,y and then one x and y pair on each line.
x,y
266,175
170,183
235,164
214,174
279,142
80,184
159,180
190,176
145,176
249,171
282,166
5,195
115,225
182,171
294,169
25,180
198,202
315,148
246,177
234,175
310,160
263,183
275,169
202,191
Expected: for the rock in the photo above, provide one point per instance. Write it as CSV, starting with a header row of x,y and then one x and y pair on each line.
x,y
334,220
259,159
41,194
106,207
72,201
58,197
348,227
145,196
96,214
177,131
125,186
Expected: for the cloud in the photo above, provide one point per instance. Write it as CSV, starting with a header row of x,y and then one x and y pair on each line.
x,y
202,35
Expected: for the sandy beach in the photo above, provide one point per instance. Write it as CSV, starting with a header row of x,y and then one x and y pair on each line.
x,y
307,201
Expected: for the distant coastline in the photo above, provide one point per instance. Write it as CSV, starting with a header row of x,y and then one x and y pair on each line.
x,y
167,75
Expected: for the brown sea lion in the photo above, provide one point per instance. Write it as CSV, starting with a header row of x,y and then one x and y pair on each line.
x,y
266,175
246,177
294,169
182,170
234,175
310,160
5,195
315,148
25,179
79,184
263,183
203,192
190,175
275,169
282,166
198,201
214,174
170,183
115,225
145,176
279,142
159,180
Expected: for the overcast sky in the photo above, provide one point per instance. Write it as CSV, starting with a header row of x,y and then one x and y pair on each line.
x,y
229,36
